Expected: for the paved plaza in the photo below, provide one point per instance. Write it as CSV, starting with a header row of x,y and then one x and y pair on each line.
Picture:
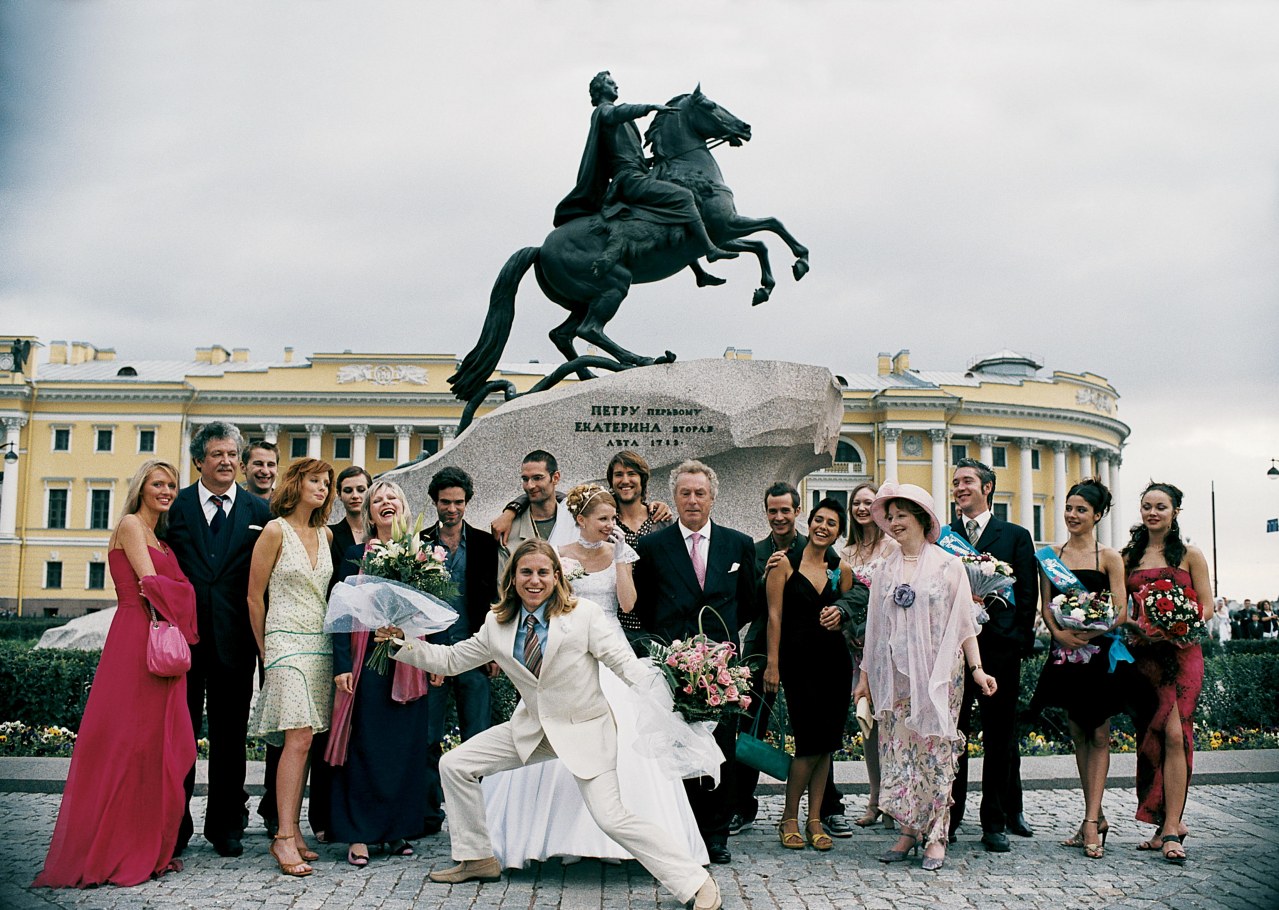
x,y
1234,863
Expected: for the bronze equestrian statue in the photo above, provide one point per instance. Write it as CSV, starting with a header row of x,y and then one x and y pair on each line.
x,y
626,222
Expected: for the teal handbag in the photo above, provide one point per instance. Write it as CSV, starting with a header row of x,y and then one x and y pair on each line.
x,y
758,753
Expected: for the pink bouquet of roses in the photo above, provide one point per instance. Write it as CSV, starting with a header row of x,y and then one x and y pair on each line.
x,y
706,678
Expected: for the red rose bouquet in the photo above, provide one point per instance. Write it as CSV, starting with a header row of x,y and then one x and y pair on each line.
x,y
1167,611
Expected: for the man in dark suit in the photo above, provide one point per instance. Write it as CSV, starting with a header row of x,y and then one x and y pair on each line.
x,y
682,568
1007,637
472,564
213,527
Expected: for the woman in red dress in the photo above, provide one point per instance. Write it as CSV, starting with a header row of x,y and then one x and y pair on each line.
x,y
123,801
1174,674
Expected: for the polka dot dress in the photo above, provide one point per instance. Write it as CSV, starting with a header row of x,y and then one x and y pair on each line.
x,y
298,690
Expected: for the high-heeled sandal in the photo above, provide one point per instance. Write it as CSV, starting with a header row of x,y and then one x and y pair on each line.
x,y
304,851
819,840
359,860
1078,839
933,863
899,856
1177,858
870,816
399,847
1096,850
791,840
297,870
1157,836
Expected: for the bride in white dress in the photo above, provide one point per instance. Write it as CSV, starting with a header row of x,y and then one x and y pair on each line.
x,y
535,812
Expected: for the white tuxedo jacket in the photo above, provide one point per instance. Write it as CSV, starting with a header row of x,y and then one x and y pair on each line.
x,y
565,703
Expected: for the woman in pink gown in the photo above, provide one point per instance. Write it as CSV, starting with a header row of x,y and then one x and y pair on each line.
x,y
123,801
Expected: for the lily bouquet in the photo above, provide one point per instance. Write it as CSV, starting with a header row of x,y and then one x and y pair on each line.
x,y
1082,611
404,583
1167,611
986,576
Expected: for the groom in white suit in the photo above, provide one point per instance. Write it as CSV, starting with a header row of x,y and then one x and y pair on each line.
x,y
550,646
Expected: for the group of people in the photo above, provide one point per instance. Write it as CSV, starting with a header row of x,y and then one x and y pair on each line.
x,y
860,603
1251,622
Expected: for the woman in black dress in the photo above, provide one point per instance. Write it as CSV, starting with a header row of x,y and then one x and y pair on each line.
x,y
1075,676
808,656
380,762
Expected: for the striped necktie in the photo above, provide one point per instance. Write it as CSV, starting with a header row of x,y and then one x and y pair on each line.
x,y
532,647
974,532
219,517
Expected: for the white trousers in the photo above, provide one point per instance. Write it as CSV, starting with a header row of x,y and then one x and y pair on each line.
x,y
494,750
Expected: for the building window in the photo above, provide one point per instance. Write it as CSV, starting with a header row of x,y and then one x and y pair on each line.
x,y
386,448
1034,461
56,518
103,439
341,448
53,574
1000,510
62,439
430,446
297,447
99,510
146,441
999,457
97,576
958,452
1038,532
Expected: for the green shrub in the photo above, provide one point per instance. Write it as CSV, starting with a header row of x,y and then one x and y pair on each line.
x,y
47,687
28,627
1240,690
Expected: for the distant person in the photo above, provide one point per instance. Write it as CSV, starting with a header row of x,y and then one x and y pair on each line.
x,y
212,529
261,461
291,563
118,822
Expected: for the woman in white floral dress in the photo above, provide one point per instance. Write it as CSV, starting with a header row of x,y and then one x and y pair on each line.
x,y
920,630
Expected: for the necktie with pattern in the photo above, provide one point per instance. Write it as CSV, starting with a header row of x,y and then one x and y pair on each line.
x,y
974,533
219,517
532,647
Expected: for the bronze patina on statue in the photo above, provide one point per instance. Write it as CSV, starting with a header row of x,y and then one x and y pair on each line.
x,y
629,219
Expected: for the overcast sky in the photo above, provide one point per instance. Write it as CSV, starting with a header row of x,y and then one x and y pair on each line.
x,y
1095,183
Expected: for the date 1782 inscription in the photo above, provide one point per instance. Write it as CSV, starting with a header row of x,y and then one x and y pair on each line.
x,y
632,426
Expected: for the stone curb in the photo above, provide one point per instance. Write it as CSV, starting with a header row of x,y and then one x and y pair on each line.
x,y
1048,772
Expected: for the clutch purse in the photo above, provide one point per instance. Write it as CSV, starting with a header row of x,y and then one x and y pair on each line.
x,y
758,753
168,653
864,718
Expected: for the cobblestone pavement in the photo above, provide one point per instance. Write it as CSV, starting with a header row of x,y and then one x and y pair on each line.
x,y
1233,861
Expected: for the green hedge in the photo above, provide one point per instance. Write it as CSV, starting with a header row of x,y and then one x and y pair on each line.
x,y
47,687
28,627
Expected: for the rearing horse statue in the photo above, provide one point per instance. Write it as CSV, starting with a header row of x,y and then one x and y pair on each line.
x,y
567,265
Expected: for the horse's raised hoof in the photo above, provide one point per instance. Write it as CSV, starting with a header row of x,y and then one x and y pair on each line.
x,y
761,295
800,268
668,357
707,280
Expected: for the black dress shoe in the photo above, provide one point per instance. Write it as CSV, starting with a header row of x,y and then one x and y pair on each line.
x,y
995,842
229,847
719,854
1019,827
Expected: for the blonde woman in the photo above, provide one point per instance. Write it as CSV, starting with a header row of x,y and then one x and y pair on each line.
x,y
117,824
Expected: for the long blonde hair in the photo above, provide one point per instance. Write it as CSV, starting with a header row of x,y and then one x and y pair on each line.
x,y
508,605
133,497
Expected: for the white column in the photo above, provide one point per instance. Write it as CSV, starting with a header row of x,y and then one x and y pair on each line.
x,y
402,433
1103,468
271,433
314,433
1118,531
938,438
891,435
1026,482
9,493
1059,490
359,444
184,459
986,452
1085,461
448,432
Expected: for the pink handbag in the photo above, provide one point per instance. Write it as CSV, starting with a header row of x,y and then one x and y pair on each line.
x,y
168,653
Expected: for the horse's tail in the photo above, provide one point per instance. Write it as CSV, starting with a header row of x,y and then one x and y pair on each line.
x,y
476,367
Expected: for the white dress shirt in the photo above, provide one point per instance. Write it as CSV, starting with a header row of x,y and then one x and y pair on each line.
x,y
207,503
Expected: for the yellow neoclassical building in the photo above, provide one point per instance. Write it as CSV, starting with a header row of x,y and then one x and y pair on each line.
x,y
79,422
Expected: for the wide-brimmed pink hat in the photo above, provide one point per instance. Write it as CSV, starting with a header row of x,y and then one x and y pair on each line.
x,y
917,495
